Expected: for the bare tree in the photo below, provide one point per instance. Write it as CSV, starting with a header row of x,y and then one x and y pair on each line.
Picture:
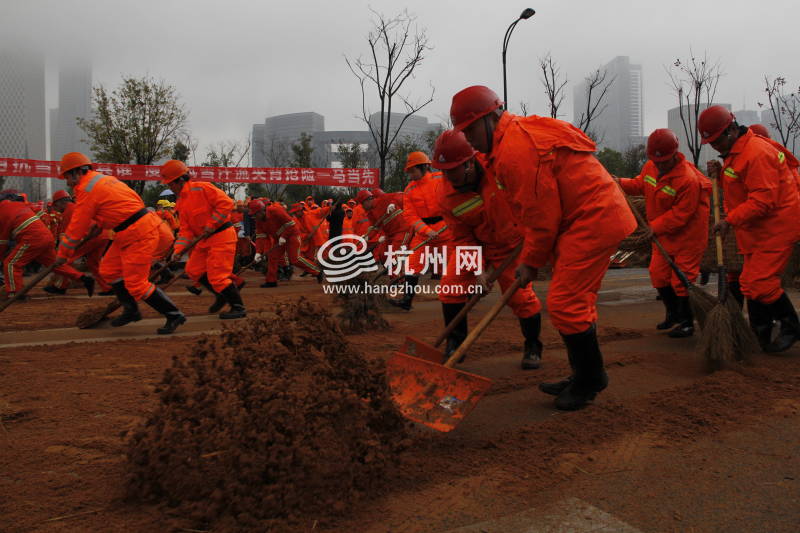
x,y
397,47
227,154
785,110
554,83
523,108
596,87
695,83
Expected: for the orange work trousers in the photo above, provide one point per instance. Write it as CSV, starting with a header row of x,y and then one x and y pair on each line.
x,y
30,248
760,279
572,296
453,289
662,275
132,252
290,251
214,257
93,251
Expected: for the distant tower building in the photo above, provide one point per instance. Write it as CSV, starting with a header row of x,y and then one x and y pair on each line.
x,y
620,125
675,123
22,115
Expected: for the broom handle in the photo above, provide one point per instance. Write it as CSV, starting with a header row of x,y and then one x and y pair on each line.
x,y
473,301
39,277
383,270
484,323
642,222
722,280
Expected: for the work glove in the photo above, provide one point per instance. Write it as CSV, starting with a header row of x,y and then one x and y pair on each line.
x,y
382,238
257,258
241,233
281,241
430,235
391,208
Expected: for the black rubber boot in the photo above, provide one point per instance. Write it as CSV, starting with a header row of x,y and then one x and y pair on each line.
x,y
269,284
670,301
161,303
130,310
783,311
234,299
590,376
736,291
760,322
408,295
88,283
194,290
554,388
52,289
704,276
686,326
460,332
532,355
219,300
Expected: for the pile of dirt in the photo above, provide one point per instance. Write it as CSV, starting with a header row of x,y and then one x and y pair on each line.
x,y
273,417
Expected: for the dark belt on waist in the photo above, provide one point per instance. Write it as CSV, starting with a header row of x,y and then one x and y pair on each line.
x,y
222,228
125,224
432,220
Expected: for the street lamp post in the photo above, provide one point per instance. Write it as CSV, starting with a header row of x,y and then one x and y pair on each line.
x,y
525,15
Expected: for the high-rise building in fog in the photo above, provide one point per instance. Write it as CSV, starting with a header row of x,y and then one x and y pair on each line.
x,y
22,114
74,101
620,125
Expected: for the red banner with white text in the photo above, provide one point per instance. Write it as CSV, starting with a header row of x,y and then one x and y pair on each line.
x,y
332,177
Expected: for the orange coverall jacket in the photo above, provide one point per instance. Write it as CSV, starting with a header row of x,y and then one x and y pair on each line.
x,y
314,224
761,198
277,224
201,206
677,204
421,201
567,202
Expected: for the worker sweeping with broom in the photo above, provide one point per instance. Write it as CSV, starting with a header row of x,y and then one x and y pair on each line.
x,y
677,202
763,208
108,203
572,215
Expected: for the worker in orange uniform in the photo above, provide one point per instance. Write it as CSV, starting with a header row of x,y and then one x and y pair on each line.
x,y
163,211
677,201
420,202
138,239
478,213
791,160
386,214
572,214
92,250
315,234
24,238
204,212
763,208
278,236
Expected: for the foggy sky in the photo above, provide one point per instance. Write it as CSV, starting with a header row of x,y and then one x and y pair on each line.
x,y
235,62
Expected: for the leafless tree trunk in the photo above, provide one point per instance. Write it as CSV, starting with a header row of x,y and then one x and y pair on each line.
x,y
523,108
554,83
596,88
227,154
785,110
397,47
695,83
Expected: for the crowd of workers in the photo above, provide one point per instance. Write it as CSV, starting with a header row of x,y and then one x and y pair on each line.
x,y
527,187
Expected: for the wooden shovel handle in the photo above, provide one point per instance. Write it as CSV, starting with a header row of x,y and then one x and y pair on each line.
x,y
717,236
484,323
475,298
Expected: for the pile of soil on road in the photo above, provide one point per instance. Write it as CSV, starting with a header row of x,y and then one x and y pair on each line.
x,y
273,418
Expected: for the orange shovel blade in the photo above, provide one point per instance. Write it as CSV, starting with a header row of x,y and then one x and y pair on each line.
x,y
432,394
417,348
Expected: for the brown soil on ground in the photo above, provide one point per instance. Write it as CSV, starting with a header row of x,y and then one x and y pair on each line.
x,y
667,447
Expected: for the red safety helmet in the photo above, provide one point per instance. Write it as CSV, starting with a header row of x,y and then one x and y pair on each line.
x,y
712,122
377,191
60,195
72,161
172,170
416,158
451,150
471,104
296,208
363,195
255,206
662,145
760,129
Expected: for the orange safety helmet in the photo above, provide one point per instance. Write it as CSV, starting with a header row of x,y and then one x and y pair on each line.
x,y
363,195
172,170
416,158
451,150
255,206
760,129
60,195
471,104
351,202
712,122
662,144
72,161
